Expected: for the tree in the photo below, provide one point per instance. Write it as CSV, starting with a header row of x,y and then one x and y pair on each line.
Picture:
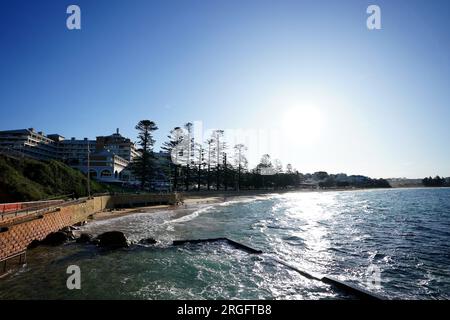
x,y
190,146
210,160
240,161
142,166
265,161
289,169
277,166
320,175
217,136
199,154
434,182
264,168
173,146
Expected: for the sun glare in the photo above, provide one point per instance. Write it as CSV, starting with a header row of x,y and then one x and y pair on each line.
x,y
302,124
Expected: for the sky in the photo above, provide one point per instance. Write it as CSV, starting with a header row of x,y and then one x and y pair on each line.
x,y
305,81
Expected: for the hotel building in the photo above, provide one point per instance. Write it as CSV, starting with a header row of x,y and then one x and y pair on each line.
x,y
29,143
109,155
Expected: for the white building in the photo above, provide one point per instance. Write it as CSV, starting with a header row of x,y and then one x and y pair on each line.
x,y
109,155
106,166
29,143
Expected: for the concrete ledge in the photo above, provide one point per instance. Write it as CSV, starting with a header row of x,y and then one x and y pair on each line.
x,y
18,233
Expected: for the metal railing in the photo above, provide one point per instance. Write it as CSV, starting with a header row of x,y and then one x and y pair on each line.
x,y
22,259
38,210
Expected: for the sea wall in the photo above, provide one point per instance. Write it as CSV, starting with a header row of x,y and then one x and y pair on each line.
x,y
11,207
16,234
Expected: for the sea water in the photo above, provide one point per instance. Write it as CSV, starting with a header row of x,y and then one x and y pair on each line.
x,y
403,234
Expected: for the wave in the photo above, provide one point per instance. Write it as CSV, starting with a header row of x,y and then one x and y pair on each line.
x,y
242,200
190,216
197,212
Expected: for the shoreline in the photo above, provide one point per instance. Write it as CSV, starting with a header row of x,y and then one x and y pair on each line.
x,y
192,198
47,255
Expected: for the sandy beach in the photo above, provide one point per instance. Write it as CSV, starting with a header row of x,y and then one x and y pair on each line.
x,y
194,198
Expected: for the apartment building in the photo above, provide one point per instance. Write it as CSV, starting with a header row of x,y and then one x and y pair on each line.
x,y
74,152
106,166
117,144
29,143
109,155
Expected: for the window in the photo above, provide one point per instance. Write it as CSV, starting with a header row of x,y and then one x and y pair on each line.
x,y
106,173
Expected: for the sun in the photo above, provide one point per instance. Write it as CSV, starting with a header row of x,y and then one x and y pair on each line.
x,y
302,124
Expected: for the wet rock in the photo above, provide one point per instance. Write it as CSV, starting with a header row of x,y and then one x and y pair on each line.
x,y
85,238
113,240
71,235
55,239
148,241
80,224
68,231
34,244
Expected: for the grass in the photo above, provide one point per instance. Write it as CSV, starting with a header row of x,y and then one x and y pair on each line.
x,y
31,180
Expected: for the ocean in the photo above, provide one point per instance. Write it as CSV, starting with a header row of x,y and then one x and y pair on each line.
x,y
393,242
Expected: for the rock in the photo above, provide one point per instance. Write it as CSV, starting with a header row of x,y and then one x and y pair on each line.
x,y
66,229
85,238
148,241
71,235
33,244
113,239
55,238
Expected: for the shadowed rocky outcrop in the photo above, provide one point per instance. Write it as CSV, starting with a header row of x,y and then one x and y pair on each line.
x,y
113,240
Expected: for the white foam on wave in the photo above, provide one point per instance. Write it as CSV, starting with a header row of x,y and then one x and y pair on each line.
x,y
200,211
243,200
190,216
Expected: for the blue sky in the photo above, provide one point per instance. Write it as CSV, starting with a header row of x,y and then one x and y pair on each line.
x,y
321,90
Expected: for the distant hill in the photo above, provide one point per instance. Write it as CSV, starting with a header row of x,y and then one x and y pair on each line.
x,y
31,180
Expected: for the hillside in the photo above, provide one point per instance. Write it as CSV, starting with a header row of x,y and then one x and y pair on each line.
x,y
31,180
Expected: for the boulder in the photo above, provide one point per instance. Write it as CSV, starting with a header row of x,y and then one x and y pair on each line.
x,y
148,241
85,238
55,238
71,235
80,224
112,240
68,231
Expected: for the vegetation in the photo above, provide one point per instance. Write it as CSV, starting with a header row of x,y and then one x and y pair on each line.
x,y
189,165
436,182
197,165
143,166
31,180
